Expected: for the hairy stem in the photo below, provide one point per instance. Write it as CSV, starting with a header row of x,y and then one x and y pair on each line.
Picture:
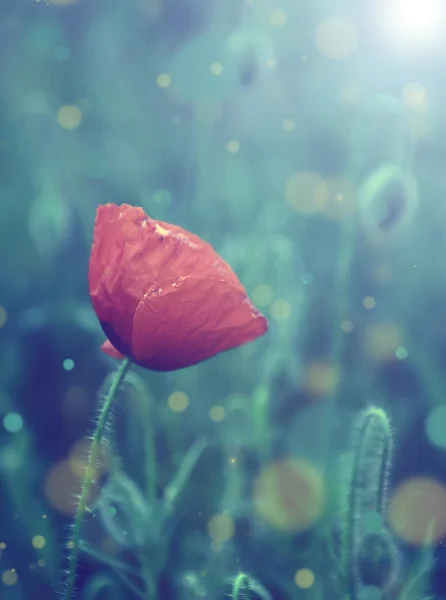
x,y
366,486
89,474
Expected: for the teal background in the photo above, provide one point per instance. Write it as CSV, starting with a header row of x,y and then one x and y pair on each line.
x,y
306,142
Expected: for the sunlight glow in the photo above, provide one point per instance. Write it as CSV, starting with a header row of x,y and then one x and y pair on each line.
x,y
415,19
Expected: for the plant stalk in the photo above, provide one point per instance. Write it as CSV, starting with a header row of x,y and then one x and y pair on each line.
x,y
89,474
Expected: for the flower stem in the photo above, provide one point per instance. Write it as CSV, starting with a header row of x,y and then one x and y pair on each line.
x,y
89,474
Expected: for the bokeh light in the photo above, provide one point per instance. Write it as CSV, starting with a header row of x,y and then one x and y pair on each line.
x,y
68,364
221,528
289,124
262,295
415,96
417,510
63,487
347,326
336,38
233,146
163,80
369,302
289,495
304,578
435,427
401,353
321,378
280,310
278,17
38,542
178,401
216,68
217,413
382,339
13,422
9,577
306,192
69,117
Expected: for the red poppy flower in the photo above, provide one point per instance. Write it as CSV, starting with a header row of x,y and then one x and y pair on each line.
x,y
163,296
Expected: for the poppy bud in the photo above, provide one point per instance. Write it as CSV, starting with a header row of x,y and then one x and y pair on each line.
x,y
367,556
377,559
163,296
388,199
252,49
245,586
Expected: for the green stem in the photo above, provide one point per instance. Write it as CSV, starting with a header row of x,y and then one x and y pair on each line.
x,y
149,580
149,453
89,474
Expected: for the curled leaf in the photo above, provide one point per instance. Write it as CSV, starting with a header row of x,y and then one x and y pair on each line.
x,y
101,587
178,483
126,515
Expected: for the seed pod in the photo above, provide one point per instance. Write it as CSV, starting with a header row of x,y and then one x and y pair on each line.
x,y
388,200
376,559
245,587
366,556
252,50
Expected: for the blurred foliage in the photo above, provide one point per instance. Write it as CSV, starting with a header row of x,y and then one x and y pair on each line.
x,y
309,150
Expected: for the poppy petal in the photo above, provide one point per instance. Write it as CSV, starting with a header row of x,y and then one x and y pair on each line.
x,y
119,271
108,348
163,296
192,320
